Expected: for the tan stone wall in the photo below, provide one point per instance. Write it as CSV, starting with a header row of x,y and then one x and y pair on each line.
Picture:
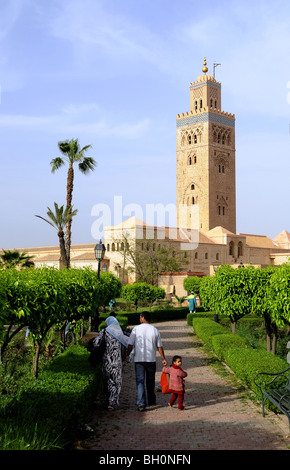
x,y
281,258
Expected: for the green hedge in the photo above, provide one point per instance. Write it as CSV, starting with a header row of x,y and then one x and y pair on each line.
x,y
247,362
224,342
241,358
199,314
206,329
178,313
61,397
133,318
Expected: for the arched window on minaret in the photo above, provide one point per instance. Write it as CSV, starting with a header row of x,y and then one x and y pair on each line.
x,y
200,104
189,139
192,187
192,200
211,103
195,105
189,161
194,159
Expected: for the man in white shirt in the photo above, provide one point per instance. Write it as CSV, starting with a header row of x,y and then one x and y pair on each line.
x,y
146,340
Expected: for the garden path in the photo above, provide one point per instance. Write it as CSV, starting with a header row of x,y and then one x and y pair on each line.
x,y
217,415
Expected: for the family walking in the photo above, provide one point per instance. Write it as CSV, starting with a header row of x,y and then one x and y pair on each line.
x,y
143,343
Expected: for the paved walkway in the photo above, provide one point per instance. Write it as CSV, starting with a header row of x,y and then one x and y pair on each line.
x,y
216,416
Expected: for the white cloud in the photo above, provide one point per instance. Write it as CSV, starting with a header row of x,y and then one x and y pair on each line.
x,y
76,119
127,131
96,36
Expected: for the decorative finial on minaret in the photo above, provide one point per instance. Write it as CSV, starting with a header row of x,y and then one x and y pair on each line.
x,y
204,68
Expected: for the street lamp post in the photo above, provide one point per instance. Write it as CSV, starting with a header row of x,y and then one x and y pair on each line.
x,y
100,250
99,254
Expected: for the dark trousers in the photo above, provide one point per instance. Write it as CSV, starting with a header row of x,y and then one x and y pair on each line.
x,y
145,375
180,399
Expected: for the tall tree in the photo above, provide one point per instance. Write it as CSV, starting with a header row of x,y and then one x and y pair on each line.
x,y
59,220
72,154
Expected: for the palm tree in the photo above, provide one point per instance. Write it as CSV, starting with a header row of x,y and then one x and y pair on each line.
x,y
58,220
13,258
73,154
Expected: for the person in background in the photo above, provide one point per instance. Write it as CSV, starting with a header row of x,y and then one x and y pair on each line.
x,y
191,302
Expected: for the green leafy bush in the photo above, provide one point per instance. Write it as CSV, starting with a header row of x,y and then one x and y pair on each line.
x,y
142,291
157,315
247,362
241,358
60,399
200,313
222,343
192,284
206,329
44,297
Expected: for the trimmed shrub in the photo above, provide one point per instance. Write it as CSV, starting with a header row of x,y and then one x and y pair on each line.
x,y
206,329
241,358
178,313
247,362
62,395
200,313
224,342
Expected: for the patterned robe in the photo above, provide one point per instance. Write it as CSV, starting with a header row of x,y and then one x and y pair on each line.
x,y
111,367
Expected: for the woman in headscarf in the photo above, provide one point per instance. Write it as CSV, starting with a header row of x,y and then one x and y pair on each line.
x,y
112,360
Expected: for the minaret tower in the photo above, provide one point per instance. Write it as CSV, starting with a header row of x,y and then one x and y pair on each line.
x,y
205,157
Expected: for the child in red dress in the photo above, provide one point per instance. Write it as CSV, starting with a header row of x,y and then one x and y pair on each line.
x,y
176,381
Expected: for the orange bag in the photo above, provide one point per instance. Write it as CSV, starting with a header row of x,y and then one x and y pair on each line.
x,y
164,382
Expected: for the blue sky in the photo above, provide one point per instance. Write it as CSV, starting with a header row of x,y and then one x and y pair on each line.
x,y
114,74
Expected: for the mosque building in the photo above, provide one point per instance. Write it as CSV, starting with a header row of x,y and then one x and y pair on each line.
x,y
205,201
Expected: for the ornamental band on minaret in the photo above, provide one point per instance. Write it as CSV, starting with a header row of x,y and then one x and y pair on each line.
x,y
205,158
